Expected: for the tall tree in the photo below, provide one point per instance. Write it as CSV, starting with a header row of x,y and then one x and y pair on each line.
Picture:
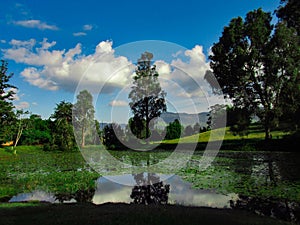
x,y
174,130
289,29
62,130
7,116
147,97
242,65
19,126
83,116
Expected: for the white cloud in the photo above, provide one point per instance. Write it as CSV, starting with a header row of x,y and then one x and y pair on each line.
x,y
87,27
3,41
77,34
35,24
22,105
183,81
33,76
118,103
66,69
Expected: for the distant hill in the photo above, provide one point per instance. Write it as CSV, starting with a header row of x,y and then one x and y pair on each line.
x,y
185,118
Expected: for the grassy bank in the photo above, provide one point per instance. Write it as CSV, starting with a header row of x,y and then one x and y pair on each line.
x,y
128,214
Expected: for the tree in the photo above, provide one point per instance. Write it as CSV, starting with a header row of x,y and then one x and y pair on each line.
x,y
112,133
242,65
188,131
174,130
283,65
38,131
83,116
62,130
217,114
147,97
239,120
289,11
138,127
197,128
21,123
7,116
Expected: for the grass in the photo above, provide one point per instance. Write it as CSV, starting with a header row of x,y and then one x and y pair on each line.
x,y
226,135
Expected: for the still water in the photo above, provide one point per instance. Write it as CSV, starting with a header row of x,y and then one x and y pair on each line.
x,y
181,192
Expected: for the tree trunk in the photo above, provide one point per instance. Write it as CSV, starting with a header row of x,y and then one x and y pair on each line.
x,y
82,137
19,134
267,126
147,118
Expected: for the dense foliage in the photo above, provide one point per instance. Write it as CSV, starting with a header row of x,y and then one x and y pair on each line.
x,y
147,97
257,66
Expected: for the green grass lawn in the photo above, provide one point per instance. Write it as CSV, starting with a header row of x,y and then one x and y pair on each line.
x,y
226,135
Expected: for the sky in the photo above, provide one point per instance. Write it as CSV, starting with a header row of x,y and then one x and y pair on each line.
x,y
58,48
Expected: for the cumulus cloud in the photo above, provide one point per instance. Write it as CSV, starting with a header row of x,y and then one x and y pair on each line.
x,y
67,69
78,34
35,24
118,103
183,81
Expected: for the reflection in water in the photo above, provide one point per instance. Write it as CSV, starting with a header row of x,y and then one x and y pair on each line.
x,y
149,190
283,210
42,196
34,196
180,192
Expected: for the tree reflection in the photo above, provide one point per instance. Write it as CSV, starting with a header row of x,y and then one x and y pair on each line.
x,y
149,190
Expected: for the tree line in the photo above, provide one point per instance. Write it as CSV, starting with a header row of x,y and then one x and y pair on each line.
x,y
256,64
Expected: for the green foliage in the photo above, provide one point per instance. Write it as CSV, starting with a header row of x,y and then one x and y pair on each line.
x,y
147,97
63,138
138,127
289,11
7,116
255,65
38,131
112,134
83,118
174,130
239,120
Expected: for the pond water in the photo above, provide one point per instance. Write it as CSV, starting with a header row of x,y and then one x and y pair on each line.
x,y
181,192
262,182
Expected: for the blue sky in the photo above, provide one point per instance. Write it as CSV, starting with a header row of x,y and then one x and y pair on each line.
x,y
57,47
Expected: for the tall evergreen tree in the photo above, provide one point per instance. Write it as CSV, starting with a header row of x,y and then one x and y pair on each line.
x,y
147,97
